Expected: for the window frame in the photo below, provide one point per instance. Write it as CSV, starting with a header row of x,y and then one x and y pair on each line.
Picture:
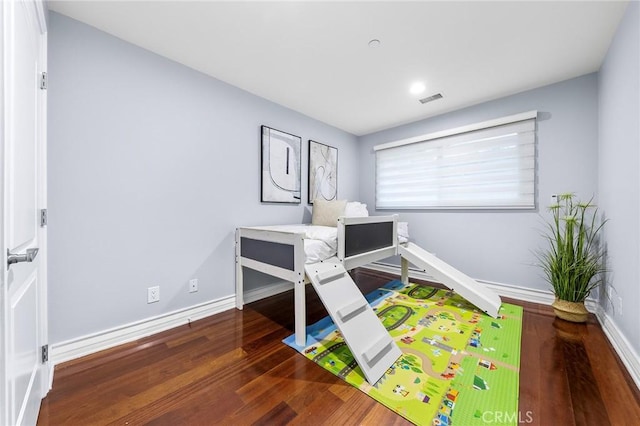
x,y
454,132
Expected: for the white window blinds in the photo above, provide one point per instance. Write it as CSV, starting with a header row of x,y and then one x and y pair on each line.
x,y
487,165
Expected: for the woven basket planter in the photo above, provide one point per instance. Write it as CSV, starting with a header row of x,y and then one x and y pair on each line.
x,y
570,311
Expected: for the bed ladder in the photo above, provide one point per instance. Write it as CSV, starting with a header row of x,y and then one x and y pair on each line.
x,y
370,343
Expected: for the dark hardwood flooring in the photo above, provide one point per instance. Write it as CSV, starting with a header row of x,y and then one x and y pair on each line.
x,y
232,369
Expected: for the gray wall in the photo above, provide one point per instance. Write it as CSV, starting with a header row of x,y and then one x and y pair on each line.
x,y
152,165
151,168
619,90
497,245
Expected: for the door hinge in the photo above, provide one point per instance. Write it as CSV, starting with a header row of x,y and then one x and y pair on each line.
x,y
43,81
43,217
45,353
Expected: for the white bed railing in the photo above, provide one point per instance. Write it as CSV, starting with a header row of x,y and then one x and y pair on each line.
x,y
358,244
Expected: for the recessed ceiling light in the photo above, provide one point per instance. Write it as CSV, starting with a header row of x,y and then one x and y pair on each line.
x,y
417,87
374,43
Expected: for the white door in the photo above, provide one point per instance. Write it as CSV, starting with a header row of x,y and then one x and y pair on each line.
x,y
25,378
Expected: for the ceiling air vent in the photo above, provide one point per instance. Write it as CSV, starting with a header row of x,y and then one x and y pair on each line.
x,y
431,98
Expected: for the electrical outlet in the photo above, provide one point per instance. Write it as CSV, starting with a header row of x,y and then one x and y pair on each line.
x,y
554,199
153,294
193,285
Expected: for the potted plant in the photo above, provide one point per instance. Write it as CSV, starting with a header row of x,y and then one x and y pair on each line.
x,y
573,261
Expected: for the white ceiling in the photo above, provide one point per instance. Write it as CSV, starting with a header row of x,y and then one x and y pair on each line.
x,y
313,57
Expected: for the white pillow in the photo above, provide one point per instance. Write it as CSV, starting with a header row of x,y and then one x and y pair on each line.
x,y
356,209
326,213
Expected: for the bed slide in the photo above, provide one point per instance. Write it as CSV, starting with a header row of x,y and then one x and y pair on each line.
x,y
473,291
369,342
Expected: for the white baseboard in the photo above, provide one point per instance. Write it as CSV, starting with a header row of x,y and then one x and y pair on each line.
x,y
79,347
623,348
266,291
620,344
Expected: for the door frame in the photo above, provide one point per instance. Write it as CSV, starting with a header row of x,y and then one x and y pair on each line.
x,y
47,367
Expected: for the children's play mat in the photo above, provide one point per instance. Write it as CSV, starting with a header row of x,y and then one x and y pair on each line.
x,y
459,366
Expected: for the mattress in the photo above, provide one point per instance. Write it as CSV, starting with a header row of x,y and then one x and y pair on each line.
x,y
321,242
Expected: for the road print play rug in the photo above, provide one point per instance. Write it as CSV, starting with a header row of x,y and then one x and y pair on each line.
x,y
459,366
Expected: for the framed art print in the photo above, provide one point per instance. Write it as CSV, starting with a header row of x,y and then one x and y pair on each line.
x,y
280,181
323,171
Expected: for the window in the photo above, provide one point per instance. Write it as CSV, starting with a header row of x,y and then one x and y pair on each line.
x,y
484,165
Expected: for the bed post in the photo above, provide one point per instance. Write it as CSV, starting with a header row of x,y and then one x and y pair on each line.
x,y
404,271
239,279
300,303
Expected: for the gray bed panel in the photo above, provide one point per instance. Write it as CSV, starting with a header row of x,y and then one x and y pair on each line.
x,y
366,237
276,254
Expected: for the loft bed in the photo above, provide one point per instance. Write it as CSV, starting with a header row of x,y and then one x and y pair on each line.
x,y
289,252
280,251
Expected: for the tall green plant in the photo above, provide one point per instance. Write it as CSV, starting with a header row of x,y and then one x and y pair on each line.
x,y
573,262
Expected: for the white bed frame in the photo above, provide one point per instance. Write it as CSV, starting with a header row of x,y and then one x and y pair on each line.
x,y
374,238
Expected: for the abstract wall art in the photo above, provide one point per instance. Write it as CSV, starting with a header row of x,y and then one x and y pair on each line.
x,y
323,171
281,170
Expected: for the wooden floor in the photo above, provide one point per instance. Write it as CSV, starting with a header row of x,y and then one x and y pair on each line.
x,y
232,368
